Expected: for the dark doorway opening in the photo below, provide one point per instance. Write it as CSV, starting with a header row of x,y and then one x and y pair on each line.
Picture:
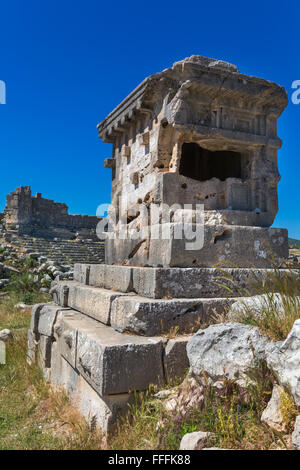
x,y
201,164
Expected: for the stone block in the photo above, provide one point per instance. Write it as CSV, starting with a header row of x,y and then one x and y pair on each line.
x,y
35,315
56,364
92,301
60,293
114,363
109,163
67,336
188,282
96,275
44,352
101,412
47,318
176,363
117,278
81,273
177,282
31,347
244,247
236,246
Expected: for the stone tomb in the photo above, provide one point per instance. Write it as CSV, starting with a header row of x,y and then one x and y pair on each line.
x,y
198,133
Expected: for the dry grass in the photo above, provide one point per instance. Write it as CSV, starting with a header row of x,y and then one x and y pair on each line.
x,y
272,320
32,414
230,414
288,410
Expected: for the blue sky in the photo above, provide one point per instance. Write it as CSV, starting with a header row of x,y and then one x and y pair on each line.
x,y
67,64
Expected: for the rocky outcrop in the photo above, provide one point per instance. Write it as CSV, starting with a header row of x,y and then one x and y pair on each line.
x,y
195,440
225,350
284,359
296,434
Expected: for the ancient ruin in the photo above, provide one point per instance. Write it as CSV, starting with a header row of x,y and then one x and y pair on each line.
x,y
200,132
37,216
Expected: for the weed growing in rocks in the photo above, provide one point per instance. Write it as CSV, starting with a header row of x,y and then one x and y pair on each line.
x,y
278,304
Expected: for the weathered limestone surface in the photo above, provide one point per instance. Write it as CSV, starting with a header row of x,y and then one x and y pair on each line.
x,y
199,132
237,246
200,137
257,304
296,434
195,440
153,316
36,215
272,415
225,350
127,312
100,411
284,359
176,361
172,282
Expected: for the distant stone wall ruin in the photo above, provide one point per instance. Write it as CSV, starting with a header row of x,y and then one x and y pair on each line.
x,y
36,215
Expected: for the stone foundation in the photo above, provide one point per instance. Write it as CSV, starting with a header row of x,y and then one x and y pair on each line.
x,y
96,336
197,134
97,366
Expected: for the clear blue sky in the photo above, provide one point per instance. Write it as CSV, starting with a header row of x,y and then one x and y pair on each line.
x,y
66,64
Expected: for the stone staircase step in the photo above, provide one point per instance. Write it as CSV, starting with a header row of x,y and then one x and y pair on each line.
x,y
172,282
65,251
128,312
112,362
99,367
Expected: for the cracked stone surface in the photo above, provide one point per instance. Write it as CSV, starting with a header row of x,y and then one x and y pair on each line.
x,y
200,132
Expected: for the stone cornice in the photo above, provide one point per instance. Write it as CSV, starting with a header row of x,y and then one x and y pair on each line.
x,y
218,79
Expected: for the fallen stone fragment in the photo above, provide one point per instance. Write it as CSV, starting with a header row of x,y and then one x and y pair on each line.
x,y
23,307
10,269
284,359
195,440
272,413
296,434
176,362
6,335
163,394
